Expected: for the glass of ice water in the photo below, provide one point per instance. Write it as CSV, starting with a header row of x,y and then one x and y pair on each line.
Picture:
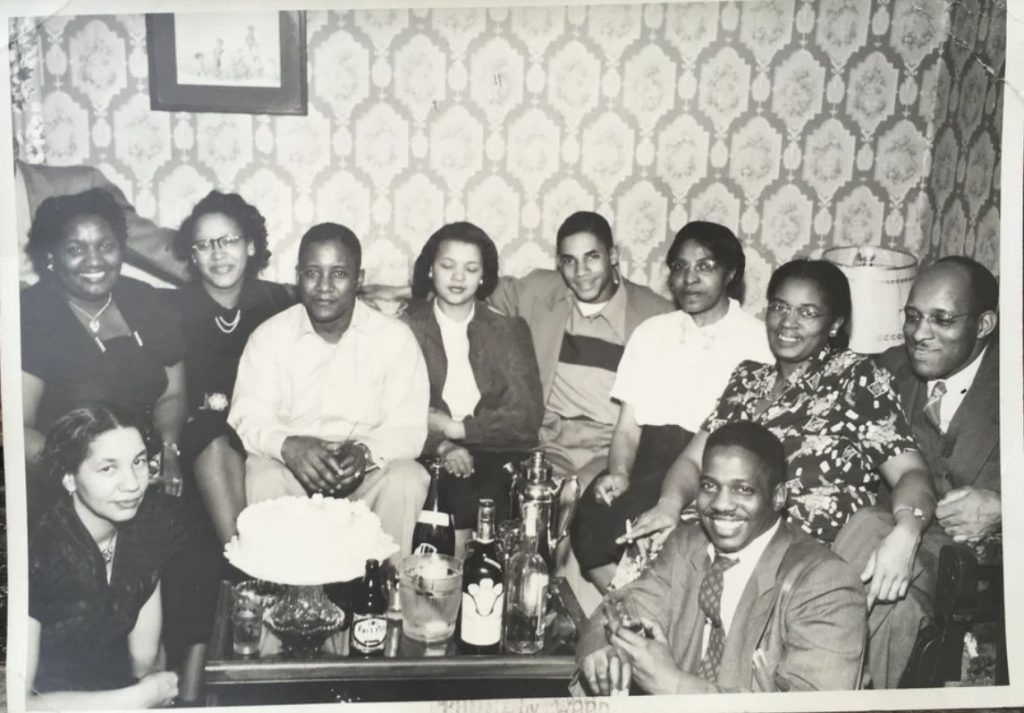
x,y
430,588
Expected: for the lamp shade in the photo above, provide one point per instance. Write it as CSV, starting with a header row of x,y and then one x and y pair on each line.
x,y
880,280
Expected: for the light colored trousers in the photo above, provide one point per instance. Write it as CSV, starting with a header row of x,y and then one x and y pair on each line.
x,y
395,492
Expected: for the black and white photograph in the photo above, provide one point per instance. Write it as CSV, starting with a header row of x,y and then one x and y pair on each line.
x,y
513,357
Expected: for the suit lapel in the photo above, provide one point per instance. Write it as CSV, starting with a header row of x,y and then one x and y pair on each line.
x,y
975,425
690,638
549,334
752,612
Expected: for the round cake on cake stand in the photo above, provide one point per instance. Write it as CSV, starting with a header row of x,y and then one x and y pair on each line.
x,y
305,543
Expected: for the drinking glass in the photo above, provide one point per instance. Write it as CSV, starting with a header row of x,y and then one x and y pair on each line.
x,y
246,619
430,588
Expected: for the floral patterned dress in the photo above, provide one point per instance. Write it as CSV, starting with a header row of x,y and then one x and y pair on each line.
x,y
839,422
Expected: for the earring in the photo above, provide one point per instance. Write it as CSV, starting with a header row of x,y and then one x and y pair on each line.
x,y
49,263
430,274
833,332
250,250
69,483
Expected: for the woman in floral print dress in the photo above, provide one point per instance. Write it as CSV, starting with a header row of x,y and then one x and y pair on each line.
x,y
838,418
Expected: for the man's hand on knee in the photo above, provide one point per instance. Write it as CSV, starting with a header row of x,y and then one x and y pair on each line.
x,y
311,461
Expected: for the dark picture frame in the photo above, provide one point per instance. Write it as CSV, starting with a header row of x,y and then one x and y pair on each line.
x,y
167,93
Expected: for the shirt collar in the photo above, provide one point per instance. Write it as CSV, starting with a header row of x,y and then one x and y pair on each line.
x,y
361,321
753,551
614,310
444,321
711,330
961,381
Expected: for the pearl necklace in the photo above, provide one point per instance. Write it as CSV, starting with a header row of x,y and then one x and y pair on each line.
x,y
226,326
94,319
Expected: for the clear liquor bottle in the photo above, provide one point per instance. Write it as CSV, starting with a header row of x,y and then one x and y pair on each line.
x,y
527,581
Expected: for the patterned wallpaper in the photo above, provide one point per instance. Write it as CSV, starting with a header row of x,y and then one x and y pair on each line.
x,y
802,123
960,208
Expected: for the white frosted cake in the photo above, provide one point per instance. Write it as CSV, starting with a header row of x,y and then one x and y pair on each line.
x,y
300,540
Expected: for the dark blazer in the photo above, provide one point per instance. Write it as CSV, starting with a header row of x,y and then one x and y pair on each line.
x,y
544,301
803,608
968,454
149,245
509,413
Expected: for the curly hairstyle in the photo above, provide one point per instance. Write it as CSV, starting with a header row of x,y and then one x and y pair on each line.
x,y
55,214
69,439
251,222
832,283
723,245
461,232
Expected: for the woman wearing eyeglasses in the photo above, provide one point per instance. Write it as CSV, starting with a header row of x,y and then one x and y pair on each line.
x,y
89,335
838,418
224,240
671,374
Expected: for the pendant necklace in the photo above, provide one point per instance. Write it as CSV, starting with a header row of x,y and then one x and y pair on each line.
x,y
94,319
108,551
228,326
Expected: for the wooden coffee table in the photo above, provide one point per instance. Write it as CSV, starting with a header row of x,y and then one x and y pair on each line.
x,y
416,674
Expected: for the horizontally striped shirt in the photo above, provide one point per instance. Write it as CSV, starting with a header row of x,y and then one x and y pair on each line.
x,y
591,349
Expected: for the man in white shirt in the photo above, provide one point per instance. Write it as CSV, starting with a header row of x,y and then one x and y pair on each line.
x,y
332,396
741,602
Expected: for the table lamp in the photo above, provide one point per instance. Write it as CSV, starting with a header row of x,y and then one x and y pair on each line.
x,y
880,280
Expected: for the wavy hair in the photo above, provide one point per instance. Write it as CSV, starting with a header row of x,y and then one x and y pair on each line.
x,y
55,214
249,219
462,232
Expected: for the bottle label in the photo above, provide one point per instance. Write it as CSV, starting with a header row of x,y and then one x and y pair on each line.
x,y
369,632
434,518
482,606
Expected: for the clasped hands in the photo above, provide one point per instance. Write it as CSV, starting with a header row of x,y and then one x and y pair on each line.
x,y
629,656
329,467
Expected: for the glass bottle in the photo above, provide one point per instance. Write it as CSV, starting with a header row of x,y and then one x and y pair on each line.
x,y
369,620
527,582
483,591
394,616
435,529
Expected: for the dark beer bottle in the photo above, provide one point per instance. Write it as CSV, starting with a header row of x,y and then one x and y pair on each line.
x,y
483,588
369,615
435,529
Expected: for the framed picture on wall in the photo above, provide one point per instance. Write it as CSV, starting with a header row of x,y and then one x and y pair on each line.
x,y
226,62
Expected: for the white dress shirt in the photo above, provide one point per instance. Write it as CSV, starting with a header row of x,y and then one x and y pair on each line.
x,y
460,391
957,387
672,371
370,387
734,579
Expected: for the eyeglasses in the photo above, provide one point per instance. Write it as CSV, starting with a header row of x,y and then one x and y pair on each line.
x,y
803,313
203,247
943,320
704,266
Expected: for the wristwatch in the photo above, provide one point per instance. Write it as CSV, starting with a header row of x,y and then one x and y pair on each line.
x,y
916,512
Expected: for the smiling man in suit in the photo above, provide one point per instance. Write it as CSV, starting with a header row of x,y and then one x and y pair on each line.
x,y
947,376
741,602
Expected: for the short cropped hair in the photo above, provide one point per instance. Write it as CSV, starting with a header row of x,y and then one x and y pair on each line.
x,y
756,439
833,285
461,232
723,245
57,212
249,219
70,437
585,221
984,286
333,232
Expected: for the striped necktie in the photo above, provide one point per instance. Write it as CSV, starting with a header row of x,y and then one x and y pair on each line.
x,y
710,599
934,404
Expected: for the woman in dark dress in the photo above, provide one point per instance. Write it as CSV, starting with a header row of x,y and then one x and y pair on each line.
x,y
224,240
95,562
485,393
90,336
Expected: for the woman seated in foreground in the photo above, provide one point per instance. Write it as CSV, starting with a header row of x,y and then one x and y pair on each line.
x,y
224,241
485,392
671,375
95,560
838,418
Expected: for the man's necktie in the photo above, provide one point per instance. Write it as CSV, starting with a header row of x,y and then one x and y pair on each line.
x,y
710,599
933,405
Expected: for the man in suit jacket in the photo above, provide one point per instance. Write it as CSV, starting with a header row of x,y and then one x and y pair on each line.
x,y
149,245
580,317
952,340
785,613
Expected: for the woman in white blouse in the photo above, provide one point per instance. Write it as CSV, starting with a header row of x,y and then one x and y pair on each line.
x,y
485,393
672,372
